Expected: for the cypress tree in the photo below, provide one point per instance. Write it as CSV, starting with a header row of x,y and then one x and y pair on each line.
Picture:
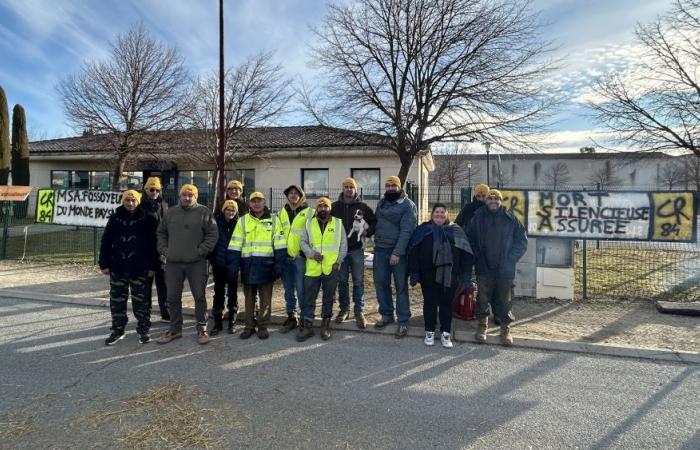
x,y
4,139
20,148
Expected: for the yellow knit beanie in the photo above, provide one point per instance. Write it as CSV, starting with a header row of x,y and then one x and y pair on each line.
x,y
131,193
393,180
350,180
189,189
496,193
153,183
229,204
481,189
324,201
234,184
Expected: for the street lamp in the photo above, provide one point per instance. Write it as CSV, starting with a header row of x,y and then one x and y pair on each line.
x,y
469,167
487,146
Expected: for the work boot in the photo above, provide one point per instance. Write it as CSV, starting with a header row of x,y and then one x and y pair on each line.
x,y
168,336
342,316
481,329
247,333
360,321
289,324
218,324
202,337
326,328
232,316
401,331
382,323
506,338
305,331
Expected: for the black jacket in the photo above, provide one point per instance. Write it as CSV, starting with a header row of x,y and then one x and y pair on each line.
x,y
129,243
420,256
217,257
155,208
466,214
512,238
346,213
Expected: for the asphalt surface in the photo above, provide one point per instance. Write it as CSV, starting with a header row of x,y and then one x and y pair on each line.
x,y
354,391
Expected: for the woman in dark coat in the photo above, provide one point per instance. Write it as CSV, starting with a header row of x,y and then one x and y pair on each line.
x,y
129,256
226,219
440,259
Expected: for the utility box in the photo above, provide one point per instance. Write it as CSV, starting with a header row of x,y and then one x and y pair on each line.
x,y
525,272
555,268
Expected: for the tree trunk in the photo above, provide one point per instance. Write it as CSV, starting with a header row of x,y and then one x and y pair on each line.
x,y
406,163
118,171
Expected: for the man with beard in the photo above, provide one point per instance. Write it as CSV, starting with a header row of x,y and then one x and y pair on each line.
x,y
478,201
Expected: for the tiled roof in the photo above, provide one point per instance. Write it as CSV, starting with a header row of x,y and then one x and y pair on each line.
x,y
294,137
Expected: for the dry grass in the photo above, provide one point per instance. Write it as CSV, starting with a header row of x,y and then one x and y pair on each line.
x,y
165,416
15,425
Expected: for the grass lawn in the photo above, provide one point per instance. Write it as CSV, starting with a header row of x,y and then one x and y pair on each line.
x,y
75,245
640,273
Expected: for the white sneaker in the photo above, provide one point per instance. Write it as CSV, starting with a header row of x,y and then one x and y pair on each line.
x,y
429,338
446,342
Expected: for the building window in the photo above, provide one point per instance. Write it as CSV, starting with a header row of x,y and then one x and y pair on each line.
x,y
131,180
80,179
100,180
368,183
60,179
314,182
246,176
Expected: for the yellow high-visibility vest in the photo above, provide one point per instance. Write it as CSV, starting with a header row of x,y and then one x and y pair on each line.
x,y
326,243
295,230
257,237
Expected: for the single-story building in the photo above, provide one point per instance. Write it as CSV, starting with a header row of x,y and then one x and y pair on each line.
x,y
268,159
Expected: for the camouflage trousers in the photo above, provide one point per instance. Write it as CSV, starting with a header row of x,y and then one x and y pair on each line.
x,y
119,287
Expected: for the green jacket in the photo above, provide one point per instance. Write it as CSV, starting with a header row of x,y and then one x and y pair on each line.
x,y
187,235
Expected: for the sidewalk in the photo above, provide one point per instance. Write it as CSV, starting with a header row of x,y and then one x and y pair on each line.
x,y
617,327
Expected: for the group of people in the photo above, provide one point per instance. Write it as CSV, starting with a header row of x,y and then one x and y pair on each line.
x,y
315,250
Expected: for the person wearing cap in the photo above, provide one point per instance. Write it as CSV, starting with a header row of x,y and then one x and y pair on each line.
x,y
234,191
478,201
295,263
152,203
258,247
325,245
225,283
346,208
498,241
128,255
396,220
186,236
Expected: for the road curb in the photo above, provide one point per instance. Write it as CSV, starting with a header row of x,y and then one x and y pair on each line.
x,y
519,342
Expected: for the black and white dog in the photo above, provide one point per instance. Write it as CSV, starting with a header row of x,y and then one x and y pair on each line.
x,y
359,226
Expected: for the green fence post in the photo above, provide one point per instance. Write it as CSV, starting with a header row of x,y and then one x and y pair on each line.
x,y
94,246
585,271
5,228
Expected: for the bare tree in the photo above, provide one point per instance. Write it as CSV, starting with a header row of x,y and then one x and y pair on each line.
x,y
605,177
256,93
133,96
656,106
672,174
421,72
451,169
557,175
692,172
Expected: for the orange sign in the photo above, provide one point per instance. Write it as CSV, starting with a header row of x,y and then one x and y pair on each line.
x,y
14,193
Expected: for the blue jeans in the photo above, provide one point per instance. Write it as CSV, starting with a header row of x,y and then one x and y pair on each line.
x,y
312,286
382,272
293,281
354,262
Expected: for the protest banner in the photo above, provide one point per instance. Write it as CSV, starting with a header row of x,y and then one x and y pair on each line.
x,y
76,207
640,216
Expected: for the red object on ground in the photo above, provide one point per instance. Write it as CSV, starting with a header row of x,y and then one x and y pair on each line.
x,y
464,304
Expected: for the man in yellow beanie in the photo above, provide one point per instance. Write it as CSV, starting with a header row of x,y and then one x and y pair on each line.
x,y
498,241
153,204
325,246
128,255
396,220
186,236
478,201
234,191
348,208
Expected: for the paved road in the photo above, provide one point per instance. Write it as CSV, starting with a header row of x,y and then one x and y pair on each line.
x,y
354,391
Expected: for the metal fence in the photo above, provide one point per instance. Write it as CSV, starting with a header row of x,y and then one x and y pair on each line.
x,y
613,269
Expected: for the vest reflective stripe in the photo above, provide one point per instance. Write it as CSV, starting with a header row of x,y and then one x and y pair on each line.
x,y
257,237
327,243
296,231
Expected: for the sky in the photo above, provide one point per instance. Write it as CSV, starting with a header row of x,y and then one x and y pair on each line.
x,y
43,41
